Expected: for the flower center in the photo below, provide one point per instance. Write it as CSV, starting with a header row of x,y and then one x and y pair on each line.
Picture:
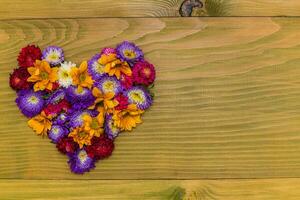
x,y
44,75
147,72
99,68
33,99
53,56
136,97
95,124
129,54
82,156
82,134
55,131
65,74
82,77
109,85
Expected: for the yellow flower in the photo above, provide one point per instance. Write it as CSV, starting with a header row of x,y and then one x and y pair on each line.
x,y
128,118
40,124
80,76
94,125
108,102
81,136
114,66
43,75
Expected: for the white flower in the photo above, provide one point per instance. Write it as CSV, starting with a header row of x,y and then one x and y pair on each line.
x,y
64,74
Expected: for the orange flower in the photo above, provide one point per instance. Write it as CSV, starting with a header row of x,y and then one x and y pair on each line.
x,y
108,102
128,118
81,136
43,75
114,66
94,125
80,76
40,124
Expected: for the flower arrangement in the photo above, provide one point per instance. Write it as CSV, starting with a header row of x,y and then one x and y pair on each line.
x,y
82,109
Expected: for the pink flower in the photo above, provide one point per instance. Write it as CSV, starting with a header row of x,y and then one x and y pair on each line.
x,y
143,73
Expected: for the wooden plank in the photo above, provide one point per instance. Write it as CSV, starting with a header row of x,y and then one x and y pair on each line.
x,y
274,189
26,9
227,98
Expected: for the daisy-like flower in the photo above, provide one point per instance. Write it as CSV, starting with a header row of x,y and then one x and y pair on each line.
x,y
128,118
143,73
81,136
18,79
53,55
30,103
107,98
64,74
57,132
79,99
109,84
139,96
114,66
80,162
101,147
28,55
110,129
95,69
76,119
81,77
129,52
40,124
42,75
94,125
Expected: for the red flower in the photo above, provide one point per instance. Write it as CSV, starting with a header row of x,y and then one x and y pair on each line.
x,y
126,81
57,108
67,145
100,148
28,55
143,73
123,102
55,86
18,79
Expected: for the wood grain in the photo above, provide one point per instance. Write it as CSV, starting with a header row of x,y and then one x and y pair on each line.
x,y
27,9
226,106
276,189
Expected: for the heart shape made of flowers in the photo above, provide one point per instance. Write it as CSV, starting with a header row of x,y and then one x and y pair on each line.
x,y
82,109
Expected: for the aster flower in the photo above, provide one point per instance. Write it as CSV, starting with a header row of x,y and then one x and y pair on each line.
x,y
42,75
66,145
122,102
101,147
53,55
28,55
128,118
40,124
126,81
64,74
109,84
95,69
108,50
57,132
61,119
81,136
29,102
79,99
80,162
107,98
18,79
139,96
81,77
94,125
54,109
56,96
76,118
110,129
129,52
143,73
114,66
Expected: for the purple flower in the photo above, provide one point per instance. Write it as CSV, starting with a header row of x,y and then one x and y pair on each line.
x,y
56,97
109,128
109,84
139,96
57,132
61,119
79,100
95,69
53,55
75,119
80,162
129,52
30,103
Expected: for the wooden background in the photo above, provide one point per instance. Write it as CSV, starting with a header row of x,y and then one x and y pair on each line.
x,y
225,122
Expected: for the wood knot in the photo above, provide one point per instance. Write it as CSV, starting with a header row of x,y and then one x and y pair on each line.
x,y
187,7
